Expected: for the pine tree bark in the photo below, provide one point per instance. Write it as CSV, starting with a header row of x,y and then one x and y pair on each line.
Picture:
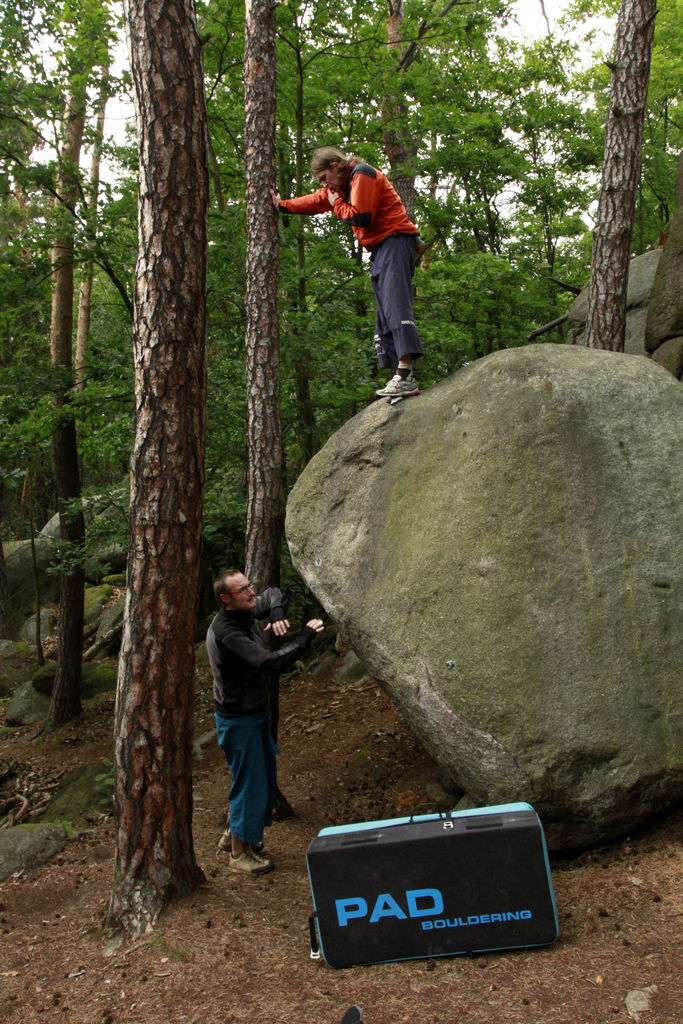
x,y
154,857
298,301
265,503
399,145
265,507
66,692
607,291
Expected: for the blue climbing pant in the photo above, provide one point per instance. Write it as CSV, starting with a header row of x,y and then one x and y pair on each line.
x,y
393,265
250,751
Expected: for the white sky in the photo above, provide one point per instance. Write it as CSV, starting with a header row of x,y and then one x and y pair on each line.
x,y
529,14
532,22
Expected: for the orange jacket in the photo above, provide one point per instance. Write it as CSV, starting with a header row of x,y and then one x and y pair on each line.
x,y
368,202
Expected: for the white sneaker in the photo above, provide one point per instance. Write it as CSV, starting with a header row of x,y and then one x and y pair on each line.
x,y
398,387
250,863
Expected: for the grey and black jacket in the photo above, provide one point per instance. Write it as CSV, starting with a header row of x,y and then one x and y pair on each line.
x,y
240,658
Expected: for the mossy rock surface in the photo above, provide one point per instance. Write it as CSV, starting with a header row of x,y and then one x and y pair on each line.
x,y
504,554
116,579
17,663
84,794
30,702
94,601
97,677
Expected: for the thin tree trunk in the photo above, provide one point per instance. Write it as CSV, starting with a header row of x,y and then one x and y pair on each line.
x,y
265,504
34,571
306,412
85,294
4,595
66,693
154,860
607,291
265,507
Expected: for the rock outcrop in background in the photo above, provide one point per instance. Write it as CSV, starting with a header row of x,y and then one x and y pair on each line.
x,y
654,301
664,330
30,567
641,276
503,553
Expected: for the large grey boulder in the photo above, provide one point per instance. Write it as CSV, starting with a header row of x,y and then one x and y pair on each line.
x,y
503,553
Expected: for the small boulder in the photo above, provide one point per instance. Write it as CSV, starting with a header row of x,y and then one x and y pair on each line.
x,y
48,619
27,706
17,663
28,846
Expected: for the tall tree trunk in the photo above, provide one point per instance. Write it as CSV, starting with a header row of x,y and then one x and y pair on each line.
x,y
399,146
85,293
305,410
295,314
154,858
265,503
4,596
265,507
606,316
66,693
34,573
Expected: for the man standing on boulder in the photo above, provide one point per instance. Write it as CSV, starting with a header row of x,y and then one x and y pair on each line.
x,y
241,663
363,197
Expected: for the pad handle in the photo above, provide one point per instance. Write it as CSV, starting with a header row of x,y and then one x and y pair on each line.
x,y
426,808
315,947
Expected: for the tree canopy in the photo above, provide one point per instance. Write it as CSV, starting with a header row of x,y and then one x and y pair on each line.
x,y
499,137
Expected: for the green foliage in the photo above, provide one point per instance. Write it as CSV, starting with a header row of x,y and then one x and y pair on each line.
x,y
49,51
507,140
103,788
663,127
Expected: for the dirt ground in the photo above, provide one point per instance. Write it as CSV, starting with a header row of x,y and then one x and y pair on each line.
x,y
237,949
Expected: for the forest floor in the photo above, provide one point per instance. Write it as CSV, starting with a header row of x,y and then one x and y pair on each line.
x,y
237,949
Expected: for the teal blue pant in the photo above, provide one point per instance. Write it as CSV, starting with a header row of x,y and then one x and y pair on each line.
x,y
251,752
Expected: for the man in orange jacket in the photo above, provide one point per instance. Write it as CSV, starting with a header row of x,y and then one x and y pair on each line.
x,y
363,197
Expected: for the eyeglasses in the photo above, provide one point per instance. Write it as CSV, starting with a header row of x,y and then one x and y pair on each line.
x,y
242,590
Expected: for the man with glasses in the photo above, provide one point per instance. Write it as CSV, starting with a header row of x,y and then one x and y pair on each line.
x,y
241,662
